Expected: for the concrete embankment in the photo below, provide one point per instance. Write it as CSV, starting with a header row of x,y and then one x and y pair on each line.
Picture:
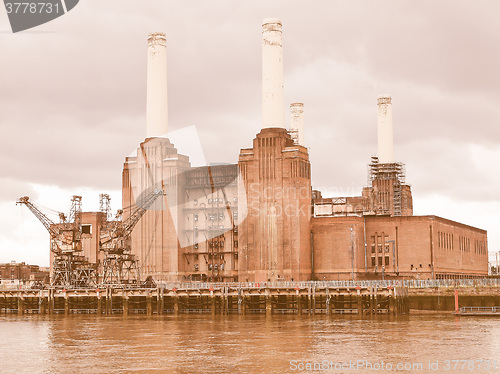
x,y
443,299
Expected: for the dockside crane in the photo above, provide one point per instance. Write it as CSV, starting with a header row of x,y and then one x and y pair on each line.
x,y
69,266
119,265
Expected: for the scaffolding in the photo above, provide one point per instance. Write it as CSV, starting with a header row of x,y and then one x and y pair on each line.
x,y
376,170
105,205
394,172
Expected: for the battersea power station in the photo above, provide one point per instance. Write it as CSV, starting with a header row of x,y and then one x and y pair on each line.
x,y
260,219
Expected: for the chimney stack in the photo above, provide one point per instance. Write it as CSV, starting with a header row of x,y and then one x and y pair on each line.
x,y
297,123
273,97
385,130
157,105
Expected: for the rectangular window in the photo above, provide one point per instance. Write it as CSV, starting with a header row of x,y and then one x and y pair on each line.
x,y
373,261
87,229
380,261
386,260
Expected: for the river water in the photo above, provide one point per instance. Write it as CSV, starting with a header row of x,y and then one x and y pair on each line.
x,y
249,344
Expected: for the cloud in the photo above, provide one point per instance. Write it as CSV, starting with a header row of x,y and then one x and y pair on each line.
x,y
11,190
73,97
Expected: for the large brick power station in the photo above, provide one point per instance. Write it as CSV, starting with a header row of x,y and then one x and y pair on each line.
x,y
260,219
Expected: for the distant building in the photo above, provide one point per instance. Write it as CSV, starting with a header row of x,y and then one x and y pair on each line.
x,y
22,272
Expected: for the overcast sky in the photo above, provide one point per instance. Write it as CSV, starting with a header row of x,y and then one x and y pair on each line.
x,y
72,98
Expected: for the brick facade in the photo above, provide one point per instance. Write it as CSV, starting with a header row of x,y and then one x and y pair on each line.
x,y
259,220
23,272
275,237
421,247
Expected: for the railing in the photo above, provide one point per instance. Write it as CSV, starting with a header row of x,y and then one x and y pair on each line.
x,y
479,309
410,283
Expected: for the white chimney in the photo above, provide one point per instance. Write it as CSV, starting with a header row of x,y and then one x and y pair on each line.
x,y
297,123
385,131
273,97
157,106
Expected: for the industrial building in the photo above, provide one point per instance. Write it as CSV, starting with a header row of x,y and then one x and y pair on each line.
x,y
260,219
20,272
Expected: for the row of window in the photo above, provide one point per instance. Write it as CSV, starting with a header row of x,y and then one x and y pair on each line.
x,y
196,228
211,256
210,267
214,216
464,243
300,169
221,230
480,247
216,244
386,248
385,261
445,240
379,243
216,200
384,199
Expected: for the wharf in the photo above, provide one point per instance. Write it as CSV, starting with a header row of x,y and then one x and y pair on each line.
x,y
215,298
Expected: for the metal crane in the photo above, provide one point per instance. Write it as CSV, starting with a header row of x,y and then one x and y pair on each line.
x,y
69,266
119,265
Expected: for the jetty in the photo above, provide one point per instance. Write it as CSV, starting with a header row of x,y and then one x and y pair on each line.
x,y
215,298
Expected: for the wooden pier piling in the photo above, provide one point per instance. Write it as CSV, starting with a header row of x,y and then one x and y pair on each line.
x,y
207,298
